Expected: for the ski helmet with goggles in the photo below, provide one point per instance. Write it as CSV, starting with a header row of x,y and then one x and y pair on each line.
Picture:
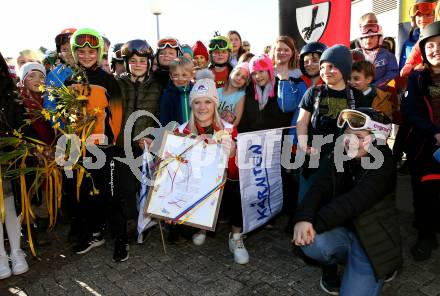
x,y
365,118
429,31
63,38
170,42
116,56
219,43
312,47
87,37
137,47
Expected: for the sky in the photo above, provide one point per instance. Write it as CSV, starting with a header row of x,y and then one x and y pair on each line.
x,y
34,23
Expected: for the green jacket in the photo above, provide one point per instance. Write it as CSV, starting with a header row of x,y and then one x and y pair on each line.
x,y
139,96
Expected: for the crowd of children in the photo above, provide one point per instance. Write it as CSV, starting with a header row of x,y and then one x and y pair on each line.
x,y
318,92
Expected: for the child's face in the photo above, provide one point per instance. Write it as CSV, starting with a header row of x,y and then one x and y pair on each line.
x,y
311,64
283,53
87,56
220,56
105,66
330,74
370,42
138,66
203,109
167,55
21,60
359,81
261,78
238,78
200,62
66,54
432,50
422,20
181,76
34,80
357,142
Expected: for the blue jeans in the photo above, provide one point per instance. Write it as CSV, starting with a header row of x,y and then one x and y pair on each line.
x,y
341,245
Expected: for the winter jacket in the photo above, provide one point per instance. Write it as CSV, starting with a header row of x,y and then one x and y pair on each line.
x,y
254,119
408,46
105,102
174,104
414,59
290,93
417,111
381,101
139,96
386,68
362,200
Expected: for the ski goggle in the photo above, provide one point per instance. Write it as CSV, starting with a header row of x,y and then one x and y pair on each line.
x,y
370,28
63,39
86,39
360,121
422,8
218,44
163,43
138,47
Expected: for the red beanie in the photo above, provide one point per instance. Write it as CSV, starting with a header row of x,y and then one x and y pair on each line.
x,y
200,49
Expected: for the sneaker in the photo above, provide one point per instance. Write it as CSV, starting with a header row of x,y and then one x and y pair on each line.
x,y
391,277
236,246
19,264
199,238
120,253
5,270
96,240
330,282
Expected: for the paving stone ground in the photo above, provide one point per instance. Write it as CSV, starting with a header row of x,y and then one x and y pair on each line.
x,y
205,270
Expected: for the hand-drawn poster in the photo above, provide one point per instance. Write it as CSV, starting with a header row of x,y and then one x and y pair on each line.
x,y
188,182
261,187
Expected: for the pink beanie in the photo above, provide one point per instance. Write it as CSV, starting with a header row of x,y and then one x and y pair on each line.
x,y
262,63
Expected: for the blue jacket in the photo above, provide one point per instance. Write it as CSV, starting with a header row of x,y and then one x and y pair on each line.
x,y
386,68
408,46
290,93
174,104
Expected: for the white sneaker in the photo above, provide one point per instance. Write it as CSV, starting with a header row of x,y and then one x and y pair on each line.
x,y
199,237
19,264
236,246
5,270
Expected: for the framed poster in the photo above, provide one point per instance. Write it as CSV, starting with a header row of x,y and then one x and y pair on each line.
x,y
188,182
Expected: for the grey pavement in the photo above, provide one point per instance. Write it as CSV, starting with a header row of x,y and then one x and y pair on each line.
x,y
205,270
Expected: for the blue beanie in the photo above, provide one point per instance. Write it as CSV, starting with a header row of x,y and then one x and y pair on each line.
x,y
340,56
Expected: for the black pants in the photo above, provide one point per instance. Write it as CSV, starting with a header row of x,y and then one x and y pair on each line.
x,y
426,199
232,199
108,201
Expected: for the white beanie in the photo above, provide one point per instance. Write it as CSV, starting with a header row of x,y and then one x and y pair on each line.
x,y
204,87
27,68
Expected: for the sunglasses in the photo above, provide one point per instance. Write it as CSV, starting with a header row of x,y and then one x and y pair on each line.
x,y
86,39
422,8
163,43
218,44
370,28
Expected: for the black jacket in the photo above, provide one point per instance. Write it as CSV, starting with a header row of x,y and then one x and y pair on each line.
x,y
419,142
362,200
254,119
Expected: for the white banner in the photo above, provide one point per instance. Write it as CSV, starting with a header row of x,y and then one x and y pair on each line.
x,y
259,155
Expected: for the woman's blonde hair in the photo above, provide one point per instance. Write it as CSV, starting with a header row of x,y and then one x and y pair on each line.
x,y
293,62
216,122
437,12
